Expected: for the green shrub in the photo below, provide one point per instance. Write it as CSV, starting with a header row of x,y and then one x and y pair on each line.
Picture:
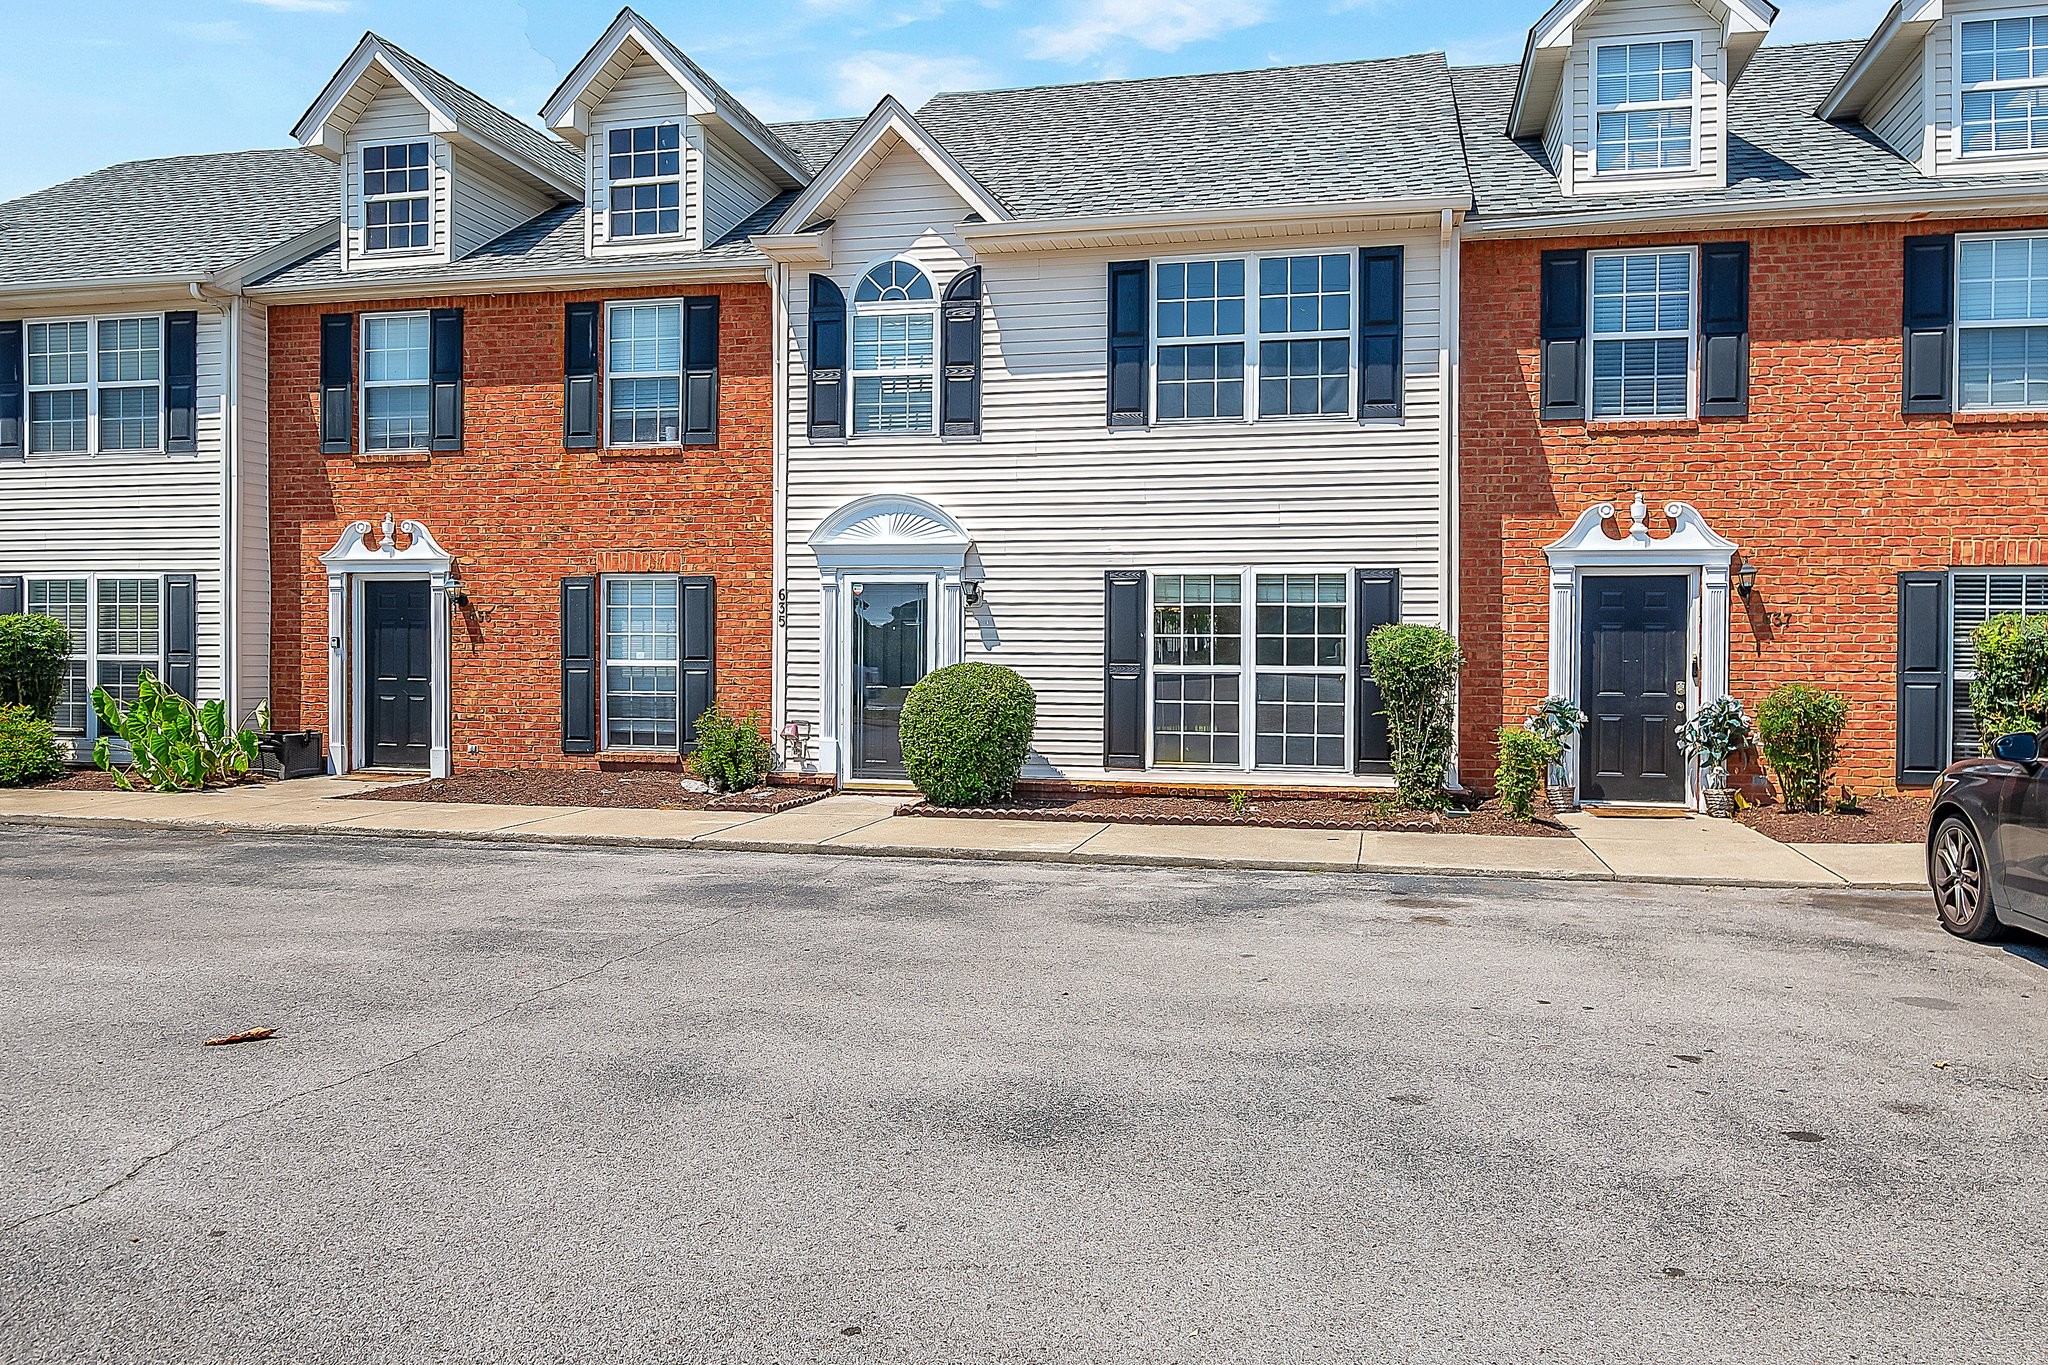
x,y
732,754
175,746
1416,668
965,730
1524,757
33,652
1799,729
2010,693
28,747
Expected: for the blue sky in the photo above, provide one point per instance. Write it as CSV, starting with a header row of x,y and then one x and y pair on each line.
x,y
139,78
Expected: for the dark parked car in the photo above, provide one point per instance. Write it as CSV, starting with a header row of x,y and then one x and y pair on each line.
x,y
1987,840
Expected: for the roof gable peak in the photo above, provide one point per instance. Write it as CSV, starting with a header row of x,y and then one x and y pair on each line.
x,y
853,162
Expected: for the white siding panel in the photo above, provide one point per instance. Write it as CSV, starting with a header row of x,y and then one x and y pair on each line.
x,y
1898,116
488,203
1053,497
732,192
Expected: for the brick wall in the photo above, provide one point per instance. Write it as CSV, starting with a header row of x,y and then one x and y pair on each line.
x,y
519,513
1827,488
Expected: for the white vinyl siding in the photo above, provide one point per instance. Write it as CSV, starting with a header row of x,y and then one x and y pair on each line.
x,y
488,201
1647,22
252,488
1053,497
733,193
1899,115
1975,596
2002,323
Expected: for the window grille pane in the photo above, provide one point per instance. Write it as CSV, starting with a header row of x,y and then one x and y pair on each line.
x,y
1300,720
640,649
896,405
64,599
2004,367
640,618
646,411
892,341
129,350
57,421
128,620
646,339
395,348
128,418
1304,377
398,199
1195,718
1300,621
1201,381
1975,596
1201,299
1644,73
56,353
395,418
2002,279
1644,140
123,681
1197,620
1647,299
893,282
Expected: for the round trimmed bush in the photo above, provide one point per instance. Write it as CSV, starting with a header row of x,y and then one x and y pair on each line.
x,y
1799,728
28,747
965,731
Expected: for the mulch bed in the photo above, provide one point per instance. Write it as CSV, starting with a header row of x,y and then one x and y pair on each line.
x,y
582,787
1877,820
78,780
1331,812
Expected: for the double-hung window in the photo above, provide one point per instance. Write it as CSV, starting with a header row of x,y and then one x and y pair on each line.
x,y
95,385
1975,596
116,628
642,648
895,351
1642,333
645,362
398,200
2002,322
2003,85
396,388
1291,342
1642,106
644,173
1268,688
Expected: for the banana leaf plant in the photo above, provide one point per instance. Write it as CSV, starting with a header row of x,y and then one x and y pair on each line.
x,y
175,745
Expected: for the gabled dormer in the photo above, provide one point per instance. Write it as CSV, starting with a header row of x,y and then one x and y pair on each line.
x,y
1957,87
1631,96
430,171
671,162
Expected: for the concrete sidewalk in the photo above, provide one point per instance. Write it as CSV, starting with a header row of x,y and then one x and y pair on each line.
x,y
1689,851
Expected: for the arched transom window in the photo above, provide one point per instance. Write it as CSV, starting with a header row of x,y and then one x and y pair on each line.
x,y
895,351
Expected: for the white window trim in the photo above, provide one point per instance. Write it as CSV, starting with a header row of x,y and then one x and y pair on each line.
x,y
92,387
431,194
1248,668
1594,109
1957,89
1956,286
604,663
1959,677
1251,338
364,383
1692,335
893,308
681,178
605,373
91,655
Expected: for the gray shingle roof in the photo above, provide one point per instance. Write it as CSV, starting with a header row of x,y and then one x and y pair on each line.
x,y
1779,153
475,111
158,218
816,141
1306,134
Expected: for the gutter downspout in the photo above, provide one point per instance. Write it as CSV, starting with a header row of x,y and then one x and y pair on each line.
x,y
1448,244
230,511
778,409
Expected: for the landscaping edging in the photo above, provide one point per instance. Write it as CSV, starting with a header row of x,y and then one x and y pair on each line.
x,y
1053,815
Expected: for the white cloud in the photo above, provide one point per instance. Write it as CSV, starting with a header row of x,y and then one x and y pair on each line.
x,y
212,31
303,6
865,77
1161,25
1841,19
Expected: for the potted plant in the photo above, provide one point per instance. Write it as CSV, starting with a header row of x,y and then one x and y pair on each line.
x,y
1554,722
1715,733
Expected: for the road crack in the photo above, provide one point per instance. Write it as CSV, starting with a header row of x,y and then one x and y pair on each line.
x,y
283,1101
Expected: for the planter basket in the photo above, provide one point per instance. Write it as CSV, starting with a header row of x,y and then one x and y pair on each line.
x,y
1563,797
1721,803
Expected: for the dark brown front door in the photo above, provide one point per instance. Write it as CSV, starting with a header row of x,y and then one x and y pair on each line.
x,y
1632,685
398,674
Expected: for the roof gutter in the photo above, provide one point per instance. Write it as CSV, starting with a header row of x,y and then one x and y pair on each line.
x,y
369,284
1846,208
1035,233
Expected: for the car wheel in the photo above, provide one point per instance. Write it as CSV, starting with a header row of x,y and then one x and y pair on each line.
x,y
1962,892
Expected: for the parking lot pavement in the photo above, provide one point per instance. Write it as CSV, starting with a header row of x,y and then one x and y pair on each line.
x,y
551,1103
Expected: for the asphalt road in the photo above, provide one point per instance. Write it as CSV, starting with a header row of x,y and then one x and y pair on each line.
x,y
543,1104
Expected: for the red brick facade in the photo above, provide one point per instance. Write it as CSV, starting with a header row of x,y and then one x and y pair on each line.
x,y
519,513
1827,488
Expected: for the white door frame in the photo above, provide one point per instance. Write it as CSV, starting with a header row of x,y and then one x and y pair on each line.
x,y
1691,548
881,538
353,559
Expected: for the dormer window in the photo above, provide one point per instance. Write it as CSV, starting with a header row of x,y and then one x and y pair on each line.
x,y
2004,85
398,202
645,170
1642,106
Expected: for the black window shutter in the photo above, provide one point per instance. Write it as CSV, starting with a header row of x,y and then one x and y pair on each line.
x,y
181,635
1923,677
181,383
700,371
697,674
1724,329
445,378
1378,594
1562,334
960,356
1380,301
580,407
579,665
13,394
13,589
828,360
1130,336
337,382
1123,668
1929,323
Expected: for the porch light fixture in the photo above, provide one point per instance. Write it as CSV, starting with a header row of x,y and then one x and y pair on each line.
x,y
971,587
1745,579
